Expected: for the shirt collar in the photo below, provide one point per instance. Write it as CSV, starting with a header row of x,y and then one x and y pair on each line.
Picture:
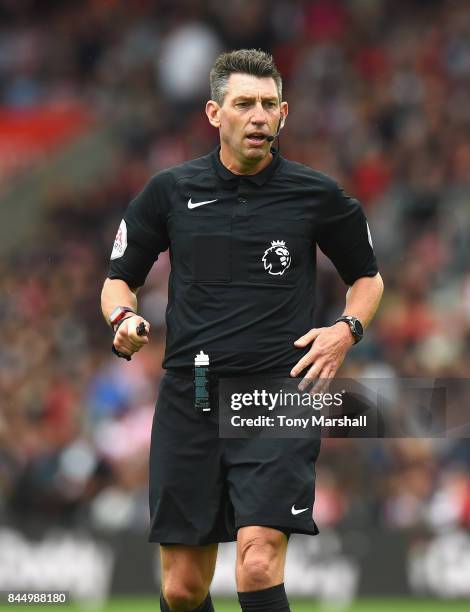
x,y
260,178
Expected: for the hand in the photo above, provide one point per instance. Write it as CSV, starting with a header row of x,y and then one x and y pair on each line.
x,y
127,341
329,348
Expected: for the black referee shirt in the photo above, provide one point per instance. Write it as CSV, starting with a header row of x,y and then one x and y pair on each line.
x,y
242,249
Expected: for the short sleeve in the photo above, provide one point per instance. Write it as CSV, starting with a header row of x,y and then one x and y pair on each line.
x,y
141,236
344,236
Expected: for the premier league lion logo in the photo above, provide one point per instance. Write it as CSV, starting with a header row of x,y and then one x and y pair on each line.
x,y
277,258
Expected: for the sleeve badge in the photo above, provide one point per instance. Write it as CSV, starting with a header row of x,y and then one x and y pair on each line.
x,y
120,242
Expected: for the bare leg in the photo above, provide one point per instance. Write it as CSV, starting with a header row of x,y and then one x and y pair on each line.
x,y
261,555
187,573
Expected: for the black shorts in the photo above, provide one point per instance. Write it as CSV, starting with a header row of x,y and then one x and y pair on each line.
x,y
204,488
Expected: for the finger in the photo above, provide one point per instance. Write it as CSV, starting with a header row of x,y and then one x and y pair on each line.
x,y
124,346
122,339
123,343
138,343
123,349
308,337
311,376
129,332
324,381
303,362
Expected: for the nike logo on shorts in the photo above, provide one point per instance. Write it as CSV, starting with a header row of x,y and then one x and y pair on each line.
x,y
295,511
192,204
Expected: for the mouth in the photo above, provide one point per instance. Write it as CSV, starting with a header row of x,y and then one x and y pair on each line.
x,y
257,138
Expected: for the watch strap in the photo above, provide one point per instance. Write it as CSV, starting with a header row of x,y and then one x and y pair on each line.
x,y
119,314
119,354
352,322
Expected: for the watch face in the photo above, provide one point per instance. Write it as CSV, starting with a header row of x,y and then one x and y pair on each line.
x,y
115,314
118,313
359,330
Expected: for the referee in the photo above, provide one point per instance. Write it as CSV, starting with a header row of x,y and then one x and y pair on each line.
x,y
242,224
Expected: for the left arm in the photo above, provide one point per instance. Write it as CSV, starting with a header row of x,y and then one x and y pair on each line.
x,y
363,298
330,344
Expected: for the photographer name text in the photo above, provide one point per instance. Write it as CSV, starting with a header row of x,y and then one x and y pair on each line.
x,y
298,422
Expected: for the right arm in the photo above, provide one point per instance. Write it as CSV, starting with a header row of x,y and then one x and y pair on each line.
x,y
140,238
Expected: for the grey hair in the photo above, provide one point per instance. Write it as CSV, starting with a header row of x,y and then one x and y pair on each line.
x,y
244,61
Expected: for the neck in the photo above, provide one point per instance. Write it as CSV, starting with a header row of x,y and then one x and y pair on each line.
x,y
237,166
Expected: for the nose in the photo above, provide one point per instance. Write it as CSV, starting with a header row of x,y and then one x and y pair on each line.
x,y
259,115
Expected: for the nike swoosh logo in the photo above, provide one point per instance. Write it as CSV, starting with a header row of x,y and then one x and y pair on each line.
x,y
295,512
192,204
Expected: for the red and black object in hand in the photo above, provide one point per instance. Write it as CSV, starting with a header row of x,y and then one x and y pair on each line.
x,y
141,331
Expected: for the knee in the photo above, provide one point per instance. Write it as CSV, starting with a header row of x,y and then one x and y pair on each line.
x,y
255,569
184,596
258,562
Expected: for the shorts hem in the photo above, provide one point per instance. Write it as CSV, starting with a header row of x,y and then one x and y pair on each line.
x,y
189,540
282,524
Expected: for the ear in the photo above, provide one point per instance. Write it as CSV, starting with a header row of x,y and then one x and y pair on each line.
x,y
213,113
284,113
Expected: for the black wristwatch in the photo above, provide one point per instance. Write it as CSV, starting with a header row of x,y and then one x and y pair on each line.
x,y
118,314
354,325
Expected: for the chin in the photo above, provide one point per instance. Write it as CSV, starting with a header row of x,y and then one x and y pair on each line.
x,y
256,153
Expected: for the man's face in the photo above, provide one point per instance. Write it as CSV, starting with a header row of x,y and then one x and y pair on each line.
x,y
250,111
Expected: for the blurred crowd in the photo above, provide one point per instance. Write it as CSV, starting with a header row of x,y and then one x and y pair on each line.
x,y
379,98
